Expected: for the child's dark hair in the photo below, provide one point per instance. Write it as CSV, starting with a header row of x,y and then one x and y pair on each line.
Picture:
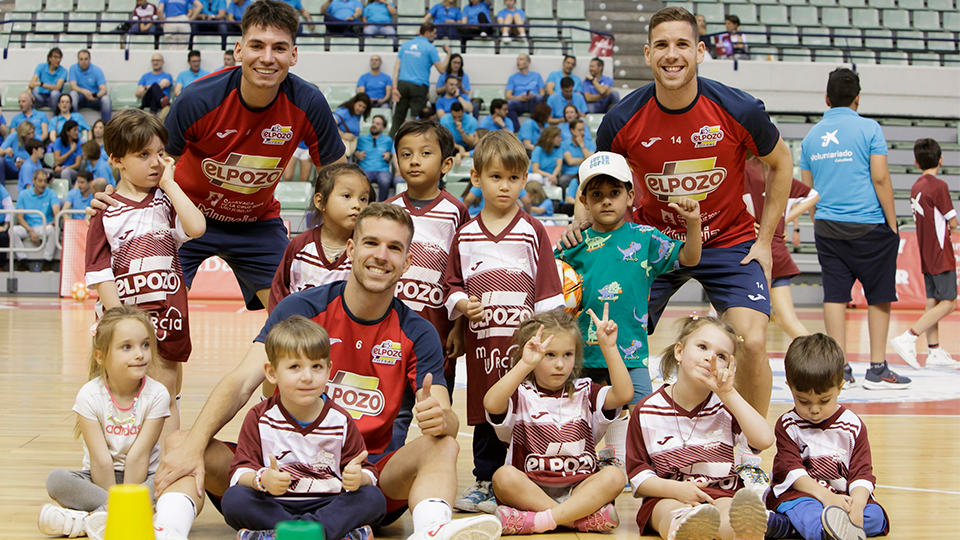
x,y
927,153
31,145
132,130
103,338
297,336
689,325
270,13
814,363
843,87
424,126
324,183
91,150
555,321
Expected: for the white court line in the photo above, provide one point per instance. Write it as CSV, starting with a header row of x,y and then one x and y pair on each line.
x,y
918,489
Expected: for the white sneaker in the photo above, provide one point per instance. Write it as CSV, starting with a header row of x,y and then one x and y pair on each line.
x,y
941,359
162,533
488,506
473,496
697,523
506,39
58,521
472,528
906,347
96,525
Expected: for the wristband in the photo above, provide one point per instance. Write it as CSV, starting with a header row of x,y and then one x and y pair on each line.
x,y
796,230
258,480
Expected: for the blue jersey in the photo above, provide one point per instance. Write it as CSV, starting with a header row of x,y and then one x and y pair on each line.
x,y
78,201
374,149
487,123
515,11
472,12
558,103
837,153
547,162
377,12
101,169
417,56
57,122
469,124
151,78
90,80
444,103
375,86
37,118
443,14
567,137
556,76
237,10
589,88
43,72
213,7
464,81
65,151
25,176
343,9
29,200
175,8
187,76
520,84
530,130
575,151
12,141
346,121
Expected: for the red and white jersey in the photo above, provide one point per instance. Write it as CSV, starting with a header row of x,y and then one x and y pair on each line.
x,y
135,244
666,441
314,455
305,265
553,435
835,453
435,226
932,210
503,271
696,152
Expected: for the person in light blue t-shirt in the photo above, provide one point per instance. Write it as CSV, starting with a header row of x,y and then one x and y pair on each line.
x,y
377,85
525,89
378,16
348,118
187,76
463,127
88,86
498,117
37,197
79,197
235,10
48,80
411,71
547,158
598,90
96,163
512,20
154,87
446,16
214,13
341,16
29,114
574,152
450,95
374,154
475,20
67,156
531,129
29,167
844,158
553,80
64,114
176,16
559,101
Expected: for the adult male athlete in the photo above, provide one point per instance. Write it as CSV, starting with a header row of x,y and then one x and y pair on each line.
x,y
378,346
687,136
234,132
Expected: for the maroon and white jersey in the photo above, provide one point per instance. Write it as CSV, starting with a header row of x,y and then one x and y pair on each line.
x,y
503,271
932,210
314,455
666,441
553,435
305,265
835,453
135,244
421,287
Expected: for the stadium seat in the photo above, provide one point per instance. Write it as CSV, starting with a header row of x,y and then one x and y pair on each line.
x,y
773,15
546,49
457,188
106,41
866,18
109,23
784,35
340,44
835,17
137,42
481,47
27,6
539,9
765,2
940,5
81,27
828,55
793,2
25,25
847,38
714,13
910,41
863,57
896,19
883,4
898,58
925,59
411,8
10,95
372,45
313,8
554,193
124,95
756,34
814,37
61,187
912,5
58,6
951,21
51,23
823,3
547,32
765,53
746,12
594,121
941,41
91,6
294,195
338,94
685,5
73,41
570,10
5,28
209,43
804,16
796,55
878,39
514,47
928,21
311,43
853,3
121,6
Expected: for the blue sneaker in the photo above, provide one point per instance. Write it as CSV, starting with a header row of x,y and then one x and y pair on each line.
x,y
360,533
883,378
779,526
474,495
848,376
247,534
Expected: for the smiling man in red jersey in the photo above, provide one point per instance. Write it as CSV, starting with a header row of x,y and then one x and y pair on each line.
x,y
686,136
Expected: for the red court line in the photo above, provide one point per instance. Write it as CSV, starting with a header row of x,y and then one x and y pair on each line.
x,y
930,408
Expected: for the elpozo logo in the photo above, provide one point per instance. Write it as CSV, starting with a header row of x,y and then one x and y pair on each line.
x,y
242,173
277,134
707,137
387,352
694,178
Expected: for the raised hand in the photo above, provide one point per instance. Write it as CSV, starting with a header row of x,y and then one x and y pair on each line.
x,y
688,208
353,472
169,168
719,380
535,349
428,412
606,329
274,480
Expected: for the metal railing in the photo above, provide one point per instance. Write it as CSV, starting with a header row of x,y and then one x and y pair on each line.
x,y
11,278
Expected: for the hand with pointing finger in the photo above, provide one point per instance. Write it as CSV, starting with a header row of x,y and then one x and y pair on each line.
x,y
428,412
606,328
353,472
274,480
719,380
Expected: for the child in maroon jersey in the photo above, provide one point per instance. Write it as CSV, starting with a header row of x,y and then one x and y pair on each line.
x,y
541,408
822,475
132,247
684,440
936,217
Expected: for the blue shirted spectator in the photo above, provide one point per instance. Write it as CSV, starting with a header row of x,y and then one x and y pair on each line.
x,y
553,80
466,134
546,157
67,155
378,14
476,19
27,168
377,85
512,15
565,97
497,119
155,86
88,86
29,114
31,225
541,205
187,76
14,148
374,152
598,90
348,118
48,80
446,15
96,163
236,8
525,90
339,16
416,57
79,197
531,129
455,68
574,151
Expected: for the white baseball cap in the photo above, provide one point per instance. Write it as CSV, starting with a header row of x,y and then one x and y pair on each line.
x,y
605,163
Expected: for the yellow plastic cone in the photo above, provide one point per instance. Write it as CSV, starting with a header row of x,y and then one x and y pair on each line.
x,y
129,516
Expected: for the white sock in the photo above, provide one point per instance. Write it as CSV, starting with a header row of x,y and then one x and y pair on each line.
x,y
176,511
617,437
429,512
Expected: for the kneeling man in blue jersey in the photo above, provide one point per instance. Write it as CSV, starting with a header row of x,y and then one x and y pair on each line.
x,y
378,346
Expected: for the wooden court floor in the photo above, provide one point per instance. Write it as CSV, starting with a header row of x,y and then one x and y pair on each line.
x,y
43,362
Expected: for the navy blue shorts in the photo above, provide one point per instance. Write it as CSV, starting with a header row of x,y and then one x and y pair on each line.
x,y
253,250
727,283
640,376
871,259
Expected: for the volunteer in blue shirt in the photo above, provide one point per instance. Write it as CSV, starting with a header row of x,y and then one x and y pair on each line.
x,y
446,16
570,113
598,90
531,129
64,114
176,16
348,118
559,101
340,16
462,126
88,86
498,117
79,197
304,13
475,20
524,90
411,72
511,18
378,16
455,68
450,95
31,225
187,76
378,86
48,79
553,80
235,9
14,150
574,152
154,87
374,154
214,13
29,114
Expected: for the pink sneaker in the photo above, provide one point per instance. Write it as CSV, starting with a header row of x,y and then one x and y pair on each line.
x,y
603,520
513,521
